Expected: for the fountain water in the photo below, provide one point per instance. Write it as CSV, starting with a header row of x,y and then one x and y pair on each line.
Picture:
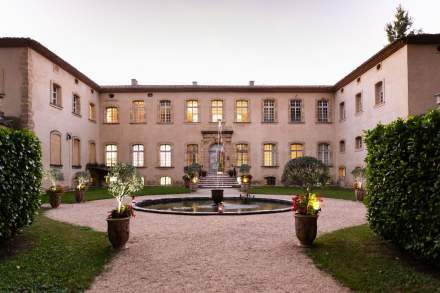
x,y
217,193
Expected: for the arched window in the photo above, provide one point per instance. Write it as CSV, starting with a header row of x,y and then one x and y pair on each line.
x,y
76,152
111,115
192,154
296,150
138,155
192,111
55,148
165,180
324,153
111,155
165,155
242,151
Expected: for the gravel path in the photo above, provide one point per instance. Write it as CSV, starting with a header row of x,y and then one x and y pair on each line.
x,y
173,253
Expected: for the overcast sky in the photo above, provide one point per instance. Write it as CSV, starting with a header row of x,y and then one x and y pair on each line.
x,y
212,42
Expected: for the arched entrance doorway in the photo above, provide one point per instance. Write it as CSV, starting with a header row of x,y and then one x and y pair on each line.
x,y
216,158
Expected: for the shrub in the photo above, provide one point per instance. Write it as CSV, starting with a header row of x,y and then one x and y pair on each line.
x,y
20,180
82,179
245,169
306,172
403,183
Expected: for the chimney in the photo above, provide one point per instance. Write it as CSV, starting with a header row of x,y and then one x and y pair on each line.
x,y
134,81
194,83
251,82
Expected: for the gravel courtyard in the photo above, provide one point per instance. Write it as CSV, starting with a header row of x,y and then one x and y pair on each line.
x,y
174,253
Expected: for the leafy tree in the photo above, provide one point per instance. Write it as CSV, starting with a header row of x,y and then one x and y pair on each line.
x,y
306,172
401,26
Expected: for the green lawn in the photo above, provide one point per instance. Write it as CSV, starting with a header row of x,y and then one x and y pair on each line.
x,y
51,256
102,193
328,191
364,262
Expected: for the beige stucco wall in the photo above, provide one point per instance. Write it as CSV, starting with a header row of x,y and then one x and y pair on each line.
x,y
394,74
48,118
180,133
423,77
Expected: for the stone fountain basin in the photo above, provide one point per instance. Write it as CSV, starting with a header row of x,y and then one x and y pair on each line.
x,y
204,206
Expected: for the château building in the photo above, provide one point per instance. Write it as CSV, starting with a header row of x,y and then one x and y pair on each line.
x,y
162,128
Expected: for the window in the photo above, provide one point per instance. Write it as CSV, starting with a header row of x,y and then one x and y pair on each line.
x,y
269,155
192,153
111,155
342,146
55,98
342,111
76,152
137,112
165,155
111,115
358,103
192,111
296,150
92,112
165,180
165,111
55,148
138,155
323,111
242,151
217,110
379,95
358,142
92,153
341,173
242,111
324,153
269,111
76,105
295,111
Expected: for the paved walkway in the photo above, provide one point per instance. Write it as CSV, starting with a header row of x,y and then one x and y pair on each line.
x,y
174,253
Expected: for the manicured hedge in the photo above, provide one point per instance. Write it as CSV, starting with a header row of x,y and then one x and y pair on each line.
x,y
20,180
403,182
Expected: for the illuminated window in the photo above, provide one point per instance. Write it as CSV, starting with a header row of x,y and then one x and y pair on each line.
x,y
341,172
165,180
242,151
111,155
92,153
76,105
111,115
192,111
55,98
92,112
379,96
296,150
55,148
137,112
76,152
295,111
269,155
358,103
192,153
165,155
324,153
269,111
242,111
322,111
217,110
165,111
358,143
138,155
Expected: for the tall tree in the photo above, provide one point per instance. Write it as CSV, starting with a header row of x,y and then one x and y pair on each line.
x,y
401,26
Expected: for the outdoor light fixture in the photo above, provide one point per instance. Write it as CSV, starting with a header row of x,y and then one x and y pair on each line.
x,y
194,180
245,179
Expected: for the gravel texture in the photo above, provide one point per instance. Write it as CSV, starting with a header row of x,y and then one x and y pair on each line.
x,y
176,253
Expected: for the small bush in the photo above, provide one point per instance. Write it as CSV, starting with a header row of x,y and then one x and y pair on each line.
x,y
306,172
20,180
403,183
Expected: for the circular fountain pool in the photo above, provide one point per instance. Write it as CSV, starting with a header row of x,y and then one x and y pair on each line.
x,y
204,206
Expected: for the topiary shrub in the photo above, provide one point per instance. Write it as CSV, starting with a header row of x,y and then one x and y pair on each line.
x,y
20,180
403,183
306,172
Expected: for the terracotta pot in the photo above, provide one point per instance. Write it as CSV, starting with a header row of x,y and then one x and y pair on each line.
x,y
118,231
306,228
79,195
55,199
217,195
359,194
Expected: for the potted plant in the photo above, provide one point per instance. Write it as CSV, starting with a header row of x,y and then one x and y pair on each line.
x,y
82,180
191,177
123,181
186,180
306,172
55,190
245,177
358,185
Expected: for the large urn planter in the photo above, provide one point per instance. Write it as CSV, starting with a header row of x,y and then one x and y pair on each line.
x,y
79,195
217,195
306,228
118,230
360,193
193,187
55,197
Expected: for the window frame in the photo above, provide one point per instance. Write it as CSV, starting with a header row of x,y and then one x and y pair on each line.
x,y
76,104
358,143
92,112
78,165
295,107
342,143
221,108
273,156
238,107
301,151
165,112
242,156
165,183
358,103
59,95
137,111
342,111
113,159
168,163
190,154
116,108
379,97
138,155
191,110
320,110
329,153
51,159
266,111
